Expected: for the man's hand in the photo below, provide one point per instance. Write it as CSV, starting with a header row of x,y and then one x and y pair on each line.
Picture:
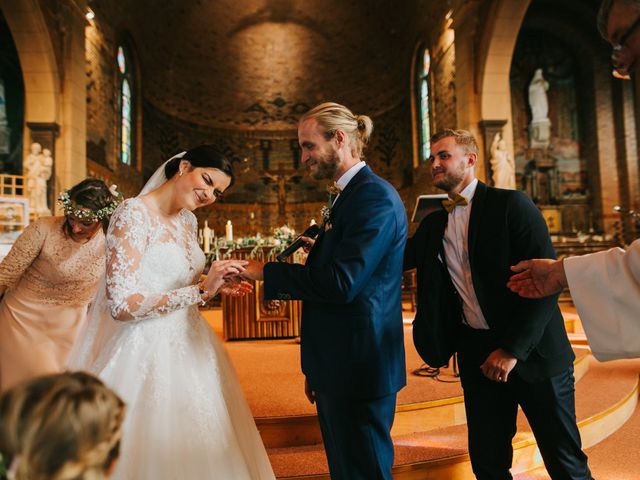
x,y
311,395
254,270
498,365
308,243
538,278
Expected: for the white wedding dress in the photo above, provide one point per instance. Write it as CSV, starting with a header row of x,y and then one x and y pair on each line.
x,y
186,415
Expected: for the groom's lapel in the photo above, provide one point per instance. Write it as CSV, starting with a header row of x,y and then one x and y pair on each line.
x,y
359,177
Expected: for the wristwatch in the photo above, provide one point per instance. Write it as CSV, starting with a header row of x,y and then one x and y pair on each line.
x,y
204,295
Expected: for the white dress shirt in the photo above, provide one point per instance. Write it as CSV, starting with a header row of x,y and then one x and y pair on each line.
x,y
346,177
456,250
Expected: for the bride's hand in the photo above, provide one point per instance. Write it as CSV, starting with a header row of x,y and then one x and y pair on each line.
x,y
236,287
219,272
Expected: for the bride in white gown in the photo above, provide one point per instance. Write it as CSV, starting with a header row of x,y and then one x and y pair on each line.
x,y
186,414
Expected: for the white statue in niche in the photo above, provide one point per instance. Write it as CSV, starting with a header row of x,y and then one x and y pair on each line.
x,y
540,127
37,168
538,97
502,164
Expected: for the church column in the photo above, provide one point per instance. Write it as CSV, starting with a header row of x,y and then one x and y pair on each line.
x,y
465,21
606,151
627,152
71,165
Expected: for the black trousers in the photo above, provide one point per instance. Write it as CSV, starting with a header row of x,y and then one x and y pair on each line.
x,y
492,408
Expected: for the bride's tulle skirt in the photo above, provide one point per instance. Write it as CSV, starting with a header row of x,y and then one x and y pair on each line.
x,y
187,417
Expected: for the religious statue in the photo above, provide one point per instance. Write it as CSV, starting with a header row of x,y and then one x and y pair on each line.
x,y
281,178
38,168
540,126
502,164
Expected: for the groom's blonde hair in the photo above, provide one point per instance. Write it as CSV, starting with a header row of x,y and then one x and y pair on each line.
x,y
333,116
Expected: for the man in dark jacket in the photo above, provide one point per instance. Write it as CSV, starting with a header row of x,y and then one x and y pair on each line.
x,y
512,351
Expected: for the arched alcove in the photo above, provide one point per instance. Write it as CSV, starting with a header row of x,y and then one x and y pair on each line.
x,y
37,60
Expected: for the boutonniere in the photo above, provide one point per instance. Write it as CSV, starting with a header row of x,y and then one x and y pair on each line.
x,y
325,212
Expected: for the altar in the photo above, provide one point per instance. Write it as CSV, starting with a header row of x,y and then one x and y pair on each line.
x,y
252,317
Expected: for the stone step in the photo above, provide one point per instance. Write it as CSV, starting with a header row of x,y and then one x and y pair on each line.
x,y
605,398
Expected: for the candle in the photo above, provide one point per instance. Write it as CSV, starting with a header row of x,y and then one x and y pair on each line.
x,y
229,230
206,235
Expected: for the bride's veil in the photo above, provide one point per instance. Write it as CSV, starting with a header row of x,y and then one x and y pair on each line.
x,y
99,326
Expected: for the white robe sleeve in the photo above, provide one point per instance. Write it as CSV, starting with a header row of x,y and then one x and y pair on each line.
x,y
605,288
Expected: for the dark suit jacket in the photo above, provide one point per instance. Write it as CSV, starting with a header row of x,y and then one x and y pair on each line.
x,y
352,338
504,228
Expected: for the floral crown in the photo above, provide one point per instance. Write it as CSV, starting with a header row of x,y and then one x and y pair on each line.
x,y
71,208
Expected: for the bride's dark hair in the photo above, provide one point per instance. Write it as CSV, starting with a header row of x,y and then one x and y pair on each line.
x,y
203,156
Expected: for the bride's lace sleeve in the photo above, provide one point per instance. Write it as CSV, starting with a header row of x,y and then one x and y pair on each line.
x,y
126,242
24,251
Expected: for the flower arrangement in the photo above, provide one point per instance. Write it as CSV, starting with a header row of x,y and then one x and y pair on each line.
x,y
281,238
284,235
71,208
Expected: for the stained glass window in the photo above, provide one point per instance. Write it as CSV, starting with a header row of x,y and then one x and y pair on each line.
x,y
126,103
122,63
425,104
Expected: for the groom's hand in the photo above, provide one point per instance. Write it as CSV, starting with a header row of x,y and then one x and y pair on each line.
x,y
311,395
254,270
308,243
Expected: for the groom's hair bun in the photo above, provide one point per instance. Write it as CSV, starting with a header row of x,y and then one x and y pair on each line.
x,y
203,156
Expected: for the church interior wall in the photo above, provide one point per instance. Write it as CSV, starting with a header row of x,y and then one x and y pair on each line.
x,y
256,124
439,38
242,81
103,35
586,119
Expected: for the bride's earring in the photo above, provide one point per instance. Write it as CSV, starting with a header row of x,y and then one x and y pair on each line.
x,y
180,174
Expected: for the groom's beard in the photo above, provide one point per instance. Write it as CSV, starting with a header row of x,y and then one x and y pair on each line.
x,y
327,166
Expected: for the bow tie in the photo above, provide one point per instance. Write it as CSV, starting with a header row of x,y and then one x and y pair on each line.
x,y
334,189
458,200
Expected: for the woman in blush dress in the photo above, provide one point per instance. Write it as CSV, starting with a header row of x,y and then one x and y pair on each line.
x,y
48,279
187,417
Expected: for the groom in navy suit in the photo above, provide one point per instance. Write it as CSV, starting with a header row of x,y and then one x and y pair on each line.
x,y
352,336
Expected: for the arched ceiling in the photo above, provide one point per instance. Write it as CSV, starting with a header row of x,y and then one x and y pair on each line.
x,y
257,64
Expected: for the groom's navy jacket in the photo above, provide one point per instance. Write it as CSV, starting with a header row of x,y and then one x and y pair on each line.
x,y
352,338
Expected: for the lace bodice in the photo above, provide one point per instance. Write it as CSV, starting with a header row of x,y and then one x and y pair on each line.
x,y
152,266
50,266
